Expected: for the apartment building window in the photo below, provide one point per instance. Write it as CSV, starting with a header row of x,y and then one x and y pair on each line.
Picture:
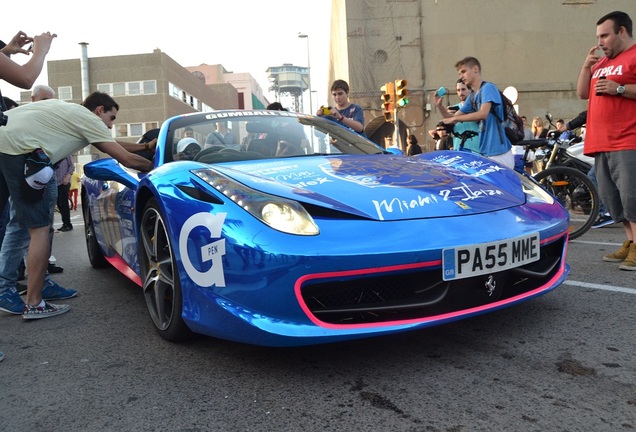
x,y
174,91
121,130
186,98
149,87
136,129
133,129
134,88
131,88
65,93
119,89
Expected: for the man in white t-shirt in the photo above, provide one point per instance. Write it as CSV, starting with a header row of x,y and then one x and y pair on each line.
x,y
59,129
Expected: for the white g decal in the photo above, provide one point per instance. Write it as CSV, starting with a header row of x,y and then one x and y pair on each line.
x,y
213,251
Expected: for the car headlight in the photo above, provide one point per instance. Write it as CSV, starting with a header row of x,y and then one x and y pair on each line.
x,y
284,215
533,190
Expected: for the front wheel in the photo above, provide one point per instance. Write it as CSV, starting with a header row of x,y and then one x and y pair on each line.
x,y
576,192
160,275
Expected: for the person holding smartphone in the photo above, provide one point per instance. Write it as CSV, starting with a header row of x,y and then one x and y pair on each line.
x,y
608,82
471,144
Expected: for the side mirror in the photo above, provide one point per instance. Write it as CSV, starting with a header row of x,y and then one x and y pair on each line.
x,y
108,169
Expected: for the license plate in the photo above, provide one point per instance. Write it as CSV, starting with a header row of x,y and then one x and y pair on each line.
x,y
485,258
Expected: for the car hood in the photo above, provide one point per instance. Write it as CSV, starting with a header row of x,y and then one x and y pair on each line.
x,y
386,187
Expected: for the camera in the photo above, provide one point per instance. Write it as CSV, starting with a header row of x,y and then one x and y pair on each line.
x,y
3,119
325,110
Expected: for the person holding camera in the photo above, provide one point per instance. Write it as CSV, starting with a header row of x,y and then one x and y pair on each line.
x,y
22,76
346,113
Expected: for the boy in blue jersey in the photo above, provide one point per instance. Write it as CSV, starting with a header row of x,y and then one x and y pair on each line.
x,y
481,107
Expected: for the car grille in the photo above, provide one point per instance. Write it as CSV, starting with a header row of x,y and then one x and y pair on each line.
x,y
421,293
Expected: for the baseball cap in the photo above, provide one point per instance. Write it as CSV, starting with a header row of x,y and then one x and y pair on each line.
x,y
185,143
37,173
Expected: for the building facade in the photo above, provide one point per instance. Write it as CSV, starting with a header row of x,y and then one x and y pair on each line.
x,y
151,88
249,93
536,46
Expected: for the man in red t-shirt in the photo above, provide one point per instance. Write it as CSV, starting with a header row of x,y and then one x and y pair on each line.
x,y
609,82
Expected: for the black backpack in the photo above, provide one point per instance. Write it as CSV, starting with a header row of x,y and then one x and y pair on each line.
x,y
512,123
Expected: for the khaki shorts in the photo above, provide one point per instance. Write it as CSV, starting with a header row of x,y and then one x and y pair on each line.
x,y
616,176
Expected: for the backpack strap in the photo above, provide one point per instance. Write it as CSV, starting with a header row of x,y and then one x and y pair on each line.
x,y
494,112
218,135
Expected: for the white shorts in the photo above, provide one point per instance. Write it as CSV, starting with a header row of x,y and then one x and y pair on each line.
x,y
506,159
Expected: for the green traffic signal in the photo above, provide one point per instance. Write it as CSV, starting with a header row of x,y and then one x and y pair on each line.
x,y
401,93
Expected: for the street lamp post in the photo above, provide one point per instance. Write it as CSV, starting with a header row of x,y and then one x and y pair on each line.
x,y
305,36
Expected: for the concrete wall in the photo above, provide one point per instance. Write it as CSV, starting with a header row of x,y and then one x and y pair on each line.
x,y
536,46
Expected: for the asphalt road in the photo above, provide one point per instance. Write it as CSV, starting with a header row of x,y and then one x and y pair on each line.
x,y
562,362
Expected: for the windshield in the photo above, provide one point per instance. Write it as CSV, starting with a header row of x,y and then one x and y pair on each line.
x,y
226,136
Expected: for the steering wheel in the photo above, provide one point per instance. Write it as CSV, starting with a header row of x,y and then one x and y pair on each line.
x,y
209,150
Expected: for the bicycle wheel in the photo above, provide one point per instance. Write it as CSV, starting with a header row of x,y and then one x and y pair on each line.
x,y
576,192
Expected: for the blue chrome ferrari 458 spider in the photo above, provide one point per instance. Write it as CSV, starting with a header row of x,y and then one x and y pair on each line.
x,y
293,230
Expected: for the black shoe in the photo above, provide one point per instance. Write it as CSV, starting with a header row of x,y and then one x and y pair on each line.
x,y
603,220
66,228
22,289
55,268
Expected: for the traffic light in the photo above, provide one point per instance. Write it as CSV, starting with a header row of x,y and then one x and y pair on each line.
x,y
401,93
388,101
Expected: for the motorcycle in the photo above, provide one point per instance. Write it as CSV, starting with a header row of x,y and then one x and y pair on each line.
x,y
565,176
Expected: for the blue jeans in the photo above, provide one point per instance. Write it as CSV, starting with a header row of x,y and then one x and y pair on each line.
x,y
4,220
16,242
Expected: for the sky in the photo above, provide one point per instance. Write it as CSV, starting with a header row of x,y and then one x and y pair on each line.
x,y
242,35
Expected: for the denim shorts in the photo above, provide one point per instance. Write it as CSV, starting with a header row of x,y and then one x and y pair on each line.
x,y
616,179
30,214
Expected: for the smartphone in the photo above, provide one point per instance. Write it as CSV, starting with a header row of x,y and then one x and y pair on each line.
x,y
600,93
452,108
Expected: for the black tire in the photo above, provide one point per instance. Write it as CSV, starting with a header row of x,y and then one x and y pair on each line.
x,y
95,254
576,192
160,276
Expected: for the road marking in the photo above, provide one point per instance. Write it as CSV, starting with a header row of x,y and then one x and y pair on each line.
x,y
600,287
595,243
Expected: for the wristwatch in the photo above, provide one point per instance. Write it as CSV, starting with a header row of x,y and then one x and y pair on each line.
x,y
620,89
